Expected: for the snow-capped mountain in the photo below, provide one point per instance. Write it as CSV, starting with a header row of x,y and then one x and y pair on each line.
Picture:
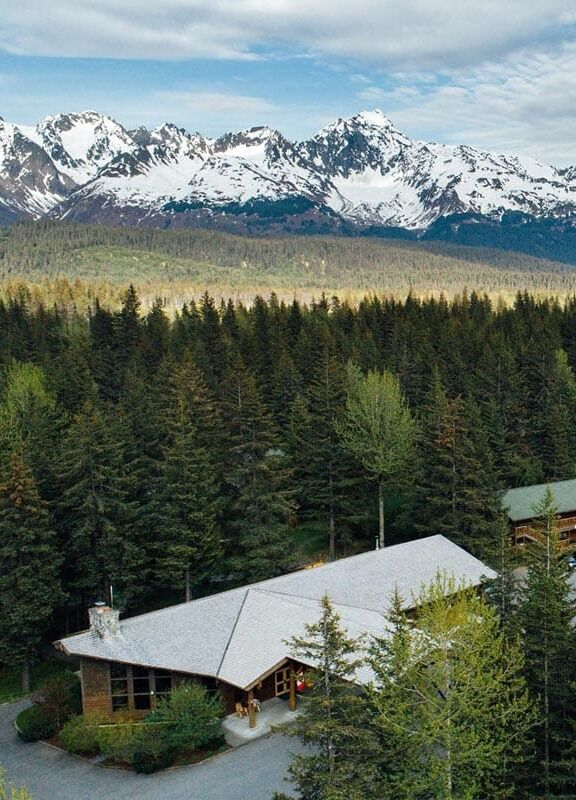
x,y
360,172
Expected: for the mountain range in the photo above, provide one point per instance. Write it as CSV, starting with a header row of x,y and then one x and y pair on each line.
x,y
358,176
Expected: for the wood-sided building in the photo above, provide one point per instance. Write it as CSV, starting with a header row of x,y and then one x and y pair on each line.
x,y
520,505
235,642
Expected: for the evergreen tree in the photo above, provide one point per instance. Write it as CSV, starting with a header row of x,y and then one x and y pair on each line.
x,y
502,592
546,618
188,489
323,472
128,330
333,721
102,351
29,567
30,423
499,390
141,431
94,519
556,420
155,335
257,473
457,487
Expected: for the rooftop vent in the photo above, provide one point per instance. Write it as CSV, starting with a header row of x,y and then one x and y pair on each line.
x,y
104,621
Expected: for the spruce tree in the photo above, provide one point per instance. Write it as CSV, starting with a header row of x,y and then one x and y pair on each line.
x,y
30,586
258,477
93,516
324,471
333,720
187,495
502,592
457,486
31,423
546,615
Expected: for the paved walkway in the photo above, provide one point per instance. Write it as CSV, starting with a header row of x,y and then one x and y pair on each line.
x,y
237,730
252,772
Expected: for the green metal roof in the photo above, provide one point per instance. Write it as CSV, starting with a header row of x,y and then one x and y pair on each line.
x,y
520,503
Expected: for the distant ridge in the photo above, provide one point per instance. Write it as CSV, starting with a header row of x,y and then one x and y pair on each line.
x,y
357,176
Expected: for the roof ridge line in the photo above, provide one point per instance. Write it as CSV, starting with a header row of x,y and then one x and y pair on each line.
x,y
316,600
224,654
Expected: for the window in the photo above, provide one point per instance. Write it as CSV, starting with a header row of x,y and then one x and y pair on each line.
x,y
119,686
141,687
282,681
162,683
134,687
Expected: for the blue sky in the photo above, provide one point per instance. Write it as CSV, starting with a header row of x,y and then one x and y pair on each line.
x,y
496,75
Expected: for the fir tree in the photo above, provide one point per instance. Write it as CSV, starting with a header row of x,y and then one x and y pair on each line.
x,y
457,487
323,472
31,423
502,592
93,516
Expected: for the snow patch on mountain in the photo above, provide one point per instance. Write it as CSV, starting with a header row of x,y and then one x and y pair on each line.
x,y
80,144
362,169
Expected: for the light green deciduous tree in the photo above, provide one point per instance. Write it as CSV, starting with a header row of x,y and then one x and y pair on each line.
x,y
378,429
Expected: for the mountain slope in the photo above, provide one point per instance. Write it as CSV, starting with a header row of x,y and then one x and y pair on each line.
x,y
359,175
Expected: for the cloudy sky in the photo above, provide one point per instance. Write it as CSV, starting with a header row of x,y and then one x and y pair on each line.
x,y
496,74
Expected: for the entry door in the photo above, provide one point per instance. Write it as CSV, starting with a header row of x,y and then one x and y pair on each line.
x,y
282,681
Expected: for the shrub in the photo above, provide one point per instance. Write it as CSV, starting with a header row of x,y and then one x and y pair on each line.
x,y
154,749
118,741
34,723
146,748
79,734
60,697
191,715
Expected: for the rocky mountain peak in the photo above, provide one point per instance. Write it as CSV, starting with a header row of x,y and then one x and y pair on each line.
x,y
360,170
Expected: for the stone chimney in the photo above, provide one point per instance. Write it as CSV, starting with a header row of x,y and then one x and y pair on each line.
x,y
104,621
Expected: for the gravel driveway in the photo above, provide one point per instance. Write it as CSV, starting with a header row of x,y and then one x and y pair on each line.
x,y
252,772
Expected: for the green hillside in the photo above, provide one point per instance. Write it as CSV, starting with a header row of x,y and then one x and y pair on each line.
x,y
184,263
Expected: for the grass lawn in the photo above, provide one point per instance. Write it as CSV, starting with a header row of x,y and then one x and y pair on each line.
x,y
11,679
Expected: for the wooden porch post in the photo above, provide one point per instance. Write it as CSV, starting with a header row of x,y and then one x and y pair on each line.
x,y
251,709
292,691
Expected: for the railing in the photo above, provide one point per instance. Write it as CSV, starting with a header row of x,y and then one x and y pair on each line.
x,y
566,527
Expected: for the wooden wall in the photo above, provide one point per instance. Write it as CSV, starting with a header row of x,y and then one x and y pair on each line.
x,y
95,676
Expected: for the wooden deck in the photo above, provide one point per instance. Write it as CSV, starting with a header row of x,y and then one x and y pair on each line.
x,y
525,533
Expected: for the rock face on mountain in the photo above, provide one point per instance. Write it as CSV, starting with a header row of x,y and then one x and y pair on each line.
x,y
359,174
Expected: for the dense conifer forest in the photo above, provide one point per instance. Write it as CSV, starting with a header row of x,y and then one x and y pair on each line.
x,y
165,458
71,263
169,458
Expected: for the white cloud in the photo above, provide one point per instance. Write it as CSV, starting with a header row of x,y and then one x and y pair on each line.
x,y
216,103
493,74
525,104
414,34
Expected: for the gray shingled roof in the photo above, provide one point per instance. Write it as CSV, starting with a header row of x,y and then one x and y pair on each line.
x,y
520,503
239,635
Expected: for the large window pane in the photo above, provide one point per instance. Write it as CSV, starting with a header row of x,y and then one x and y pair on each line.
x,y
163,682
142,701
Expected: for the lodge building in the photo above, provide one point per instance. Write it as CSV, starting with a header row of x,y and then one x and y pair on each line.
x,y
236,642
520,505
